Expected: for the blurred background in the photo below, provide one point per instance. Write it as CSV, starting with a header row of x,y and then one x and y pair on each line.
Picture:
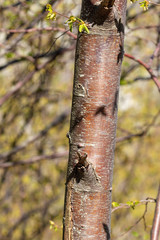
x,y
36,78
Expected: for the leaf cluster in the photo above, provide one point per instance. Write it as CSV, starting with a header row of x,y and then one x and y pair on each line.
x,y
131,204
51,14
144,4
82,26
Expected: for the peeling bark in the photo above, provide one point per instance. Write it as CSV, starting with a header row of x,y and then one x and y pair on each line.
x,y
92,132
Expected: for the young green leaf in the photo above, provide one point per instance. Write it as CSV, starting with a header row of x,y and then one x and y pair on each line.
x,y
70,26
70,22
132,204
86,29
144,5
83,27
49,8
71,19
115,204
51,15
80,20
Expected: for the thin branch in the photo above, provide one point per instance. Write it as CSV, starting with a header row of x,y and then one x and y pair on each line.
x,y
20,84
156,222
157,4
148,200
30,30
47,54
16,88
155,54
141,202
136,15
30,25
142,27
128,137
59,119
10,6
34,159
129,70
147,67
140,134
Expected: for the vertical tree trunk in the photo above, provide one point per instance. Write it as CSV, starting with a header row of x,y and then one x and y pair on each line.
x,y
93,121
156,221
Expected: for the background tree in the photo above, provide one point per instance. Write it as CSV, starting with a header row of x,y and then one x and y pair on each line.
x,y
36,67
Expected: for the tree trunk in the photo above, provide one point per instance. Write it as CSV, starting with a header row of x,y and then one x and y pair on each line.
x,y
156,221
92,132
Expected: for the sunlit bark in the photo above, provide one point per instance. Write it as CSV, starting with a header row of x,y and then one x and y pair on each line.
x,y
93,121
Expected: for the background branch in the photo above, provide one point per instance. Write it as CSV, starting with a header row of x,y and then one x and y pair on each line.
x,y
147,67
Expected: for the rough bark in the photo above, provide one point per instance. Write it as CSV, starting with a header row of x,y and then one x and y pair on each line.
x,y
156,222
92,132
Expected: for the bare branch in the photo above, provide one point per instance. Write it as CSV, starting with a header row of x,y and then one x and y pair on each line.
x,y
142,27
47,54
156,53
10,6
34,159
59,119
147,67
30,25
140,134
16,87
20,84
137,15
29,30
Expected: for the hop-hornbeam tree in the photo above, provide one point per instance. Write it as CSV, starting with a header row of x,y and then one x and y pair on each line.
x,y
98,59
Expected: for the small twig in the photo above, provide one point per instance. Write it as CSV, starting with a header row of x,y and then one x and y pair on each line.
x,y
15,89
57,120
157,4
21,83
34,159
148,200
155,54
147,67
11,6
141,202
140,134
47,54
29,30
156,222
142,27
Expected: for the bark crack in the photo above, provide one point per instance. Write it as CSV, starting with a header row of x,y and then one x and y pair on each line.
x,y
84,175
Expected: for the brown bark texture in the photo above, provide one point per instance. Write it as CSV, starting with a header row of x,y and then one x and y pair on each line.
x,y
156,222
92,132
